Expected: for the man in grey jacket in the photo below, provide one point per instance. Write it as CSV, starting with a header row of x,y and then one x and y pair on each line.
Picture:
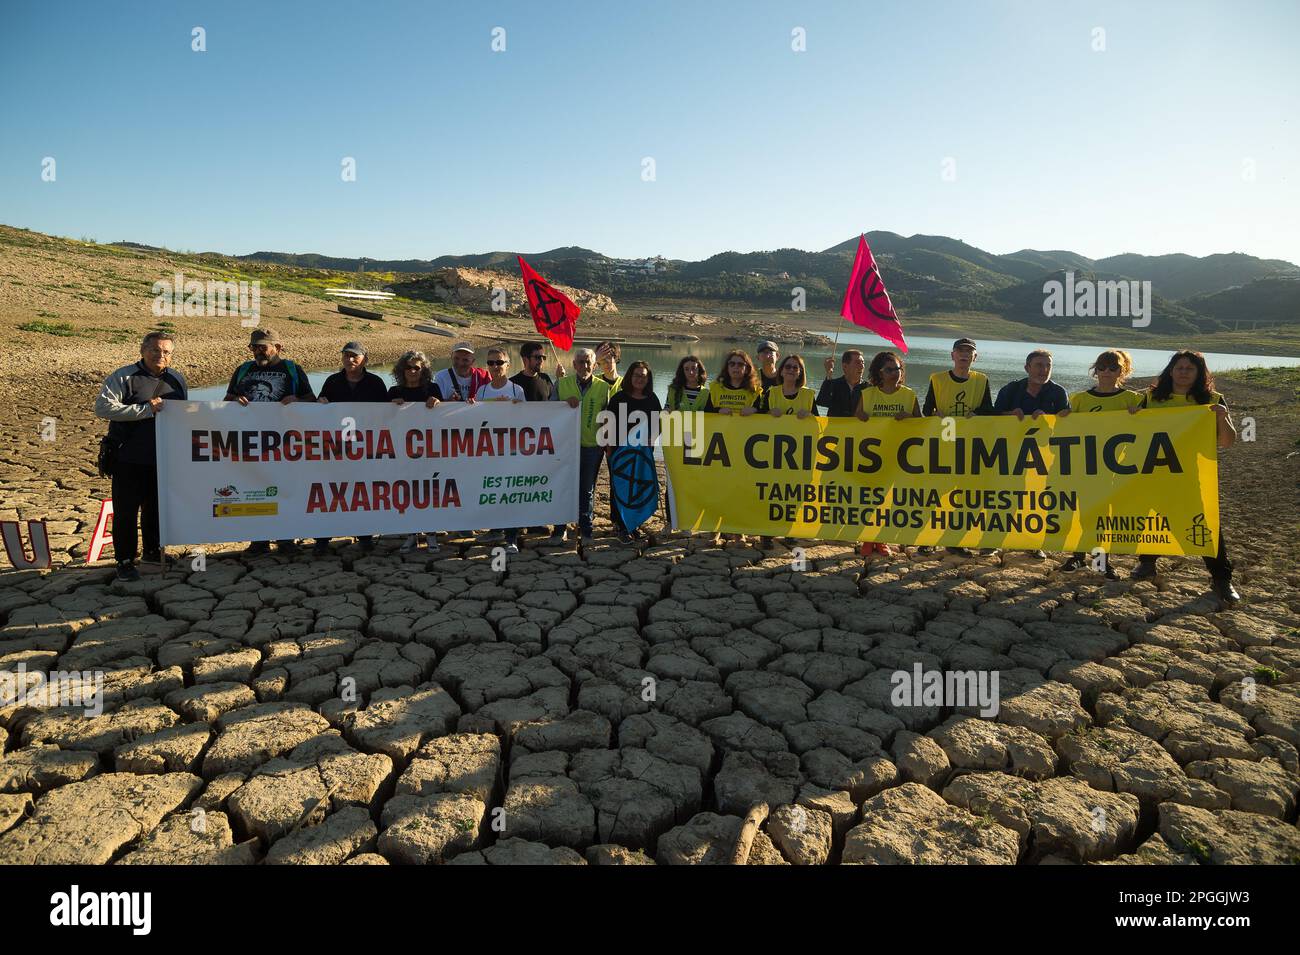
x,y
129,400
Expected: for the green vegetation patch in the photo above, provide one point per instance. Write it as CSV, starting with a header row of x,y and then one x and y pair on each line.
x,y
61,329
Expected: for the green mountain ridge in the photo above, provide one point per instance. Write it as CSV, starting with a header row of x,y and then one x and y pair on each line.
x,y
924,274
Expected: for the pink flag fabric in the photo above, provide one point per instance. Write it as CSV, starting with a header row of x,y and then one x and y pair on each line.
x,y
866,301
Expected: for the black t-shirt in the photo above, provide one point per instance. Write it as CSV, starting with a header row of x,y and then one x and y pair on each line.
x,y
270,383
537,387
839,398
767,380
420,393
647,402
369,388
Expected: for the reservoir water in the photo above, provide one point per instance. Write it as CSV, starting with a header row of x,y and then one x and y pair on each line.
x,y
1002,361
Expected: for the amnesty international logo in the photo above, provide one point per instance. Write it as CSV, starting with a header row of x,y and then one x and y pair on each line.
x,y
1198,534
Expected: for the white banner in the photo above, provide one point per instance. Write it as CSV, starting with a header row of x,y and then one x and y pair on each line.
x,y
230,472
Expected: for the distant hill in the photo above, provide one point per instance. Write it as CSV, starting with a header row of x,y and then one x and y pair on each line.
x,y
1265,301
924,273
1181,276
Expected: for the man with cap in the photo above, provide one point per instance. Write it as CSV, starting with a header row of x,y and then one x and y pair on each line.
x,y
768,353
269,377
130,399
958,393
352,383
839,396
462,380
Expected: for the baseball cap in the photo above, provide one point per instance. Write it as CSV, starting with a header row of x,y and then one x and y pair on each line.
x,y
264,336
963,343
462,346
356,348
771,345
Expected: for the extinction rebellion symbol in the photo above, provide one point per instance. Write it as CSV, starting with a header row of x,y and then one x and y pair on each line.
x,y
871,290
544,302
634,471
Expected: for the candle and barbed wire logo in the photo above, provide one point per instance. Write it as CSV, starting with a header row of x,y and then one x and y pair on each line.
x,y
1199,535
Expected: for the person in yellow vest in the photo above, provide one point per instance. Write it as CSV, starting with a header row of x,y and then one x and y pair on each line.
x,y
689,388
790,396
1111,370
589,396
736,389
608,355
1186,380
885,395
958,393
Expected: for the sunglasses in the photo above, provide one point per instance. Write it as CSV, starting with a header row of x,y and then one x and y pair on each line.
x,y
737,364
890,369
416,368
495,362
1107,367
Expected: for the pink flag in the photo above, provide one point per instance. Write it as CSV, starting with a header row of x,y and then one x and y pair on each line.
x,y
866,302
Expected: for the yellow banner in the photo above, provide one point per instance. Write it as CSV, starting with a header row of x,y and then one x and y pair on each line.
x,y
1145,483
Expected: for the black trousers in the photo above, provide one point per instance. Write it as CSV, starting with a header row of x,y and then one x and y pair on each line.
x,y
135,497
1219,566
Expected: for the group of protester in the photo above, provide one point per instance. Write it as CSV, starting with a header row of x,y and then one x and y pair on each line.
x,y
132,396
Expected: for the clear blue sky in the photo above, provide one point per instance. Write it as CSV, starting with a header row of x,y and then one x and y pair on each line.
x,y
1140,148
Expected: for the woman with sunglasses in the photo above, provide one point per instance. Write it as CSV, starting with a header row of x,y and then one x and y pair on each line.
x,y
414,384
736,389
1111,370
1186,380
790,396
414,381
885,396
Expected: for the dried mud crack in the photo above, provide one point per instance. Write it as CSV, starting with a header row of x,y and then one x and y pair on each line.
x,y
630,704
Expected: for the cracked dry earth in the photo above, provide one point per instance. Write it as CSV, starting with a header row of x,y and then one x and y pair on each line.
x,y
628,705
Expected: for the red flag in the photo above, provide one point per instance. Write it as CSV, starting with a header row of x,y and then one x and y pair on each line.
x,y
554,314
866,302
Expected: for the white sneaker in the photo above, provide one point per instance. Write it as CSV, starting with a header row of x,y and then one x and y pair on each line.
x,y
412,542
512,548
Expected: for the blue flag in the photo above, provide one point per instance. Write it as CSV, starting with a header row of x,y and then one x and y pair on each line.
x,y
634,483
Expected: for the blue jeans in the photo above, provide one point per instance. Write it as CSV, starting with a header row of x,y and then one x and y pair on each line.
x,y
588,468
